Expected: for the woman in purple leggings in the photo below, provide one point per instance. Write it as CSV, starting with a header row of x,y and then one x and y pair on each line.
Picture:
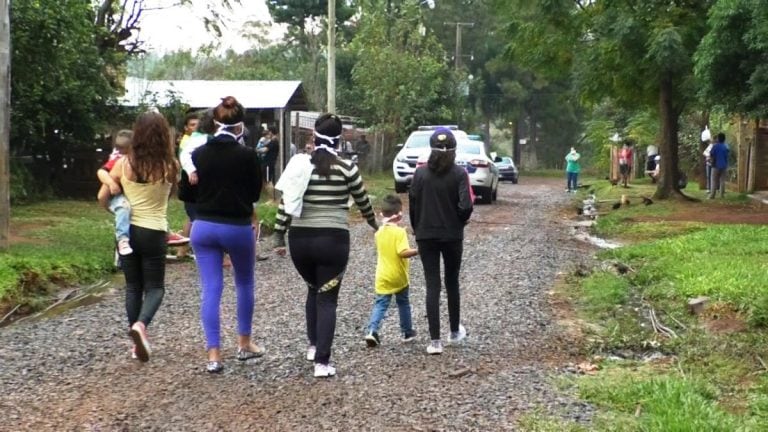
x,y
229,182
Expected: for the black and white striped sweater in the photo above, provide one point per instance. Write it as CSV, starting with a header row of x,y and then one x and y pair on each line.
x,y
326,201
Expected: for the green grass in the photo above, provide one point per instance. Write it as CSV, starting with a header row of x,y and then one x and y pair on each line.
x,y
723,262
644,399
67,242
711,380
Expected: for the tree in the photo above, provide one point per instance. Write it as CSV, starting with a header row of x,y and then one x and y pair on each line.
x,y
730,62
640,54
400,76
305,34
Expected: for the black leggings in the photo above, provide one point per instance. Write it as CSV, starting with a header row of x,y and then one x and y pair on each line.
x,y
144,272
320,256
430,251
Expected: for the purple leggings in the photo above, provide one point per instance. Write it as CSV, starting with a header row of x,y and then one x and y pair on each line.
x,y
210,241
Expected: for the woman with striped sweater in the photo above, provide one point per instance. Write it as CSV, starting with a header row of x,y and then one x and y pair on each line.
x,y
319,232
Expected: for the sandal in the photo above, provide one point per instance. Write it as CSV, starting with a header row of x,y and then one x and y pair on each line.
x,y
214,367
253,351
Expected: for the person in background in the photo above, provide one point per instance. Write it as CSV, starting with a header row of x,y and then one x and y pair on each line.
x,y
269,153
110,195
572,170
146,176
229,182
188,183
318,231
191,122
708,164
719,156
362,147
440,207
392,266
625,162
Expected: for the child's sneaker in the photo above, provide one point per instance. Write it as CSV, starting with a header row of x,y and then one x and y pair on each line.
x,y
435,347
458,336
324,370
372,339
124,246
175,239
409,336
311,353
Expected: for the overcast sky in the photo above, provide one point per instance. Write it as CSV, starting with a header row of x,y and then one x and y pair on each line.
x,y
182,27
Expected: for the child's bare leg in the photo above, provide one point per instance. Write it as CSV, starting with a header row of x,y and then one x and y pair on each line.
x,y
103,196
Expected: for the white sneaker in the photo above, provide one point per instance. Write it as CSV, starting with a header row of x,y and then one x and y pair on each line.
x,y
324,370
124,246
457,337
311,353
435,347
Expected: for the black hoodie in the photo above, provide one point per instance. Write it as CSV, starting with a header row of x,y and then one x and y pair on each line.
x,y
440,205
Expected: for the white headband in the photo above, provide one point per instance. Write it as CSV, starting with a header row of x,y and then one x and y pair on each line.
x,y
327,138
330,150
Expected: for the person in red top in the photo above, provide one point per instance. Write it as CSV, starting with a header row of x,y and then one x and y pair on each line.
x,y
625,162
111,196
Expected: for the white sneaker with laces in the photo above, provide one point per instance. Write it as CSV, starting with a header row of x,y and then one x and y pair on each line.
x,y
435,347
124,246
324,370
311,353
457,337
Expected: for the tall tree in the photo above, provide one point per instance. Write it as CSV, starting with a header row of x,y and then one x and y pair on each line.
x,y
400,72
5,123
638,53
306,22
730,62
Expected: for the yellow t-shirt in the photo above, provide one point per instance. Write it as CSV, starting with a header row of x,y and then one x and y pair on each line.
x,y
391,270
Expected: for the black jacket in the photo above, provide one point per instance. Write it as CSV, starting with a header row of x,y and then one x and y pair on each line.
x,y
440,205
229,181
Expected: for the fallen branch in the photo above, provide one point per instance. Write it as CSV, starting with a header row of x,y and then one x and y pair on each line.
x,y
658,327
10,313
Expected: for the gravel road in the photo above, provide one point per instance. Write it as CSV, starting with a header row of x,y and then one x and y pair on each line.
x,y
73,371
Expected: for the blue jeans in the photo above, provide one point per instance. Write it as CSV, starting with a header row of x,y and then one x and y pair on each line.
x,y
120,207
381,305
572,181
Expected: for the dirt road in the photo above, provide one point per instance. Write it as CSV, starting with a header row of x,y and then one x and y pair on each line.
x,y
73,371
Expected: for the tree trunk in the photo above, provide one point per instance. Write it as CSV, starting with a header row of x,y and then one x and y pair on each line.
x,y
670,175
5,124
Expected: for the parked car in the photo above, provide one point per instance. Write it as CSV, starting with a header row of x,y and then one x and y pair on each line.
x,y
483,174
415,147
507,168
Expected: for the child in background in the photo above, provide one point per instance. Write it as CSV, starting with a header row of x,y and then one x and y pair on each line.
x,y
392,265
110,194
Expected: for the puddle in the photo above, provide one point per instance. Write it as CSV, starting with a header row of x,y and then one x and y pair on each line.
x,y
73,299
597,241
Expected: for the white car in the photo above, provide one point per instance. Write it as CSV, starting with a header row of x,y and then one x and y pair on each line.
x,y
415,147
483,174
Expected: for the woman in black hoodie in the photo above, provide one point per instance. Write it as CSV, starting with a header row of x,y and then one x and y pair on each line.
x,y
440,206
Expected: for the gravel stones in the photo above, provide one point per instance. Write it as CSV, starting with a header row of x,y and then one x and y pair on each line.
x,y
74,371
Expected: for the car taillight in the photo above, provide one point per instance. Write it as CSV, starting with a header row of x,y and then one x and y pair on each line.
x,y
478,163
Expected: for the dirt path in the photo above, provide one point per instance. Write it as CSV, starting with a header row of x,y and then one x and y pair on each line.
x,y
73,372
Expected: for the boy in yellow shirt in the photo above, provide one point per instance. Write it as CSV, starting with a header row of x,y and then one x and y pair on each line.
x,y
393,252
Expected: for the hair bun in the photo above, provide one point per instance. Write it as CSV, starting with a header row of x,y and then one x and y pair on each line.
x,y
229,102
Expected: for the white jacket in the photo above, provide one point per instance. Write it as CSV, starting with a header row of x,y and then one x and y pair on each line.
x,y
294,181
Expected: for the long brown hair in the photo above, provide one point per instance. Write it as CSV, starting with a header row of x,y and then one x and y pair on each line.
x,y
151,155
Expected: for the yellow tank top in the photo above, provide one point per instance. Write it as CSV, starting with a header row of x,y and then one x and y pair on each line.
x,y
149,203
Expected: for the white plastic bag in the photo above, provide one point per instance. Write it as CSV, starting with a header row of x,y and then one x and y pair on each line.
x,y
706,135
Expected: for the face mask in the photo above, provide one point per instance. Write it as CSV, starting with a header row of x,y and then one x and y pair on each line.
x,y
223,130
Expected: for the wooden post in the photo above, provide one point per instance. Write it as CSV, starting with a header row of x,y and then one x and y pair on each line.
x,y
752,141
331,90
5,125
742,162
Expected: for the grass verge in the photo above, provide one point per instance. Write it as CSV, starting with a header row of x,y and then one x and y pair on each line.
x,y
712,374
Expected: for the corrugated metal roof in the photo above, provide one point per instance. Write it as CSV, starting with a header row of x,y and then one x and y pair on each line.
x,y
205,94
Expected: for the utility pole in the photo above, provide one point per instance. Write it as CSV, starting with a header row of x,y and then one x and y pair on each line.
x,y
5,124
331,56
457,55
